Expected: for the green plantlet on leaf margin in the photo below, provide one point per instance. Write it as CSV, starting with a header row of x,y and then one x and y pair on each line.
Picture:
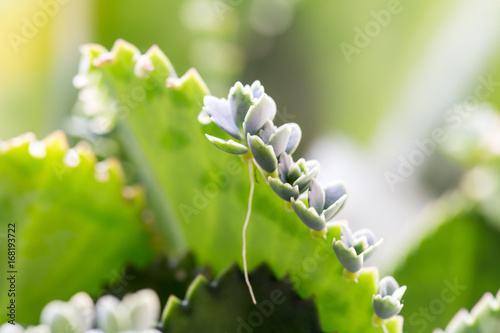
x,y
387,302
136,312
324,204
353,248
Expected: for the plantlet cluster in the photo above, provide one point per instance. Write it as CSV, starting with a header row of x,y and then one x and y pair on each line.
x,y
387,302
247,116
137,312
353,249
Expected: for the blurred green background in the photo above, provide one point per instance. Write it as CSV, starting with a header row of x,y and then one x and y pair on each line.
x,y
365,80
293,47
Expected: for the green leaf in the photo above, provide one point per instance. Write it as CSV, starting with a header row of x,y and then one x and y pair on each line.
x,y
201,193
229,146
75,223
224,306
438,288
483,318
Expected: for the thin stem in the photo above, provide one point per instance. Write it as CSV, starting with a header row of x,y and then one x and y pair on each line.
x,y
244,251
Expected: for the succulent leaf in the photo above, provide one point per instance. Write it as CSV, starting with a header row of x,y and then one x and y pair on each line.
x,y
304,180
220,113
257,89
240,100
308,216
335,208
285,162
295,137
284,190
347,256
263,154
143,309
229,146
334,192
264,109
84,306
279,140
60,317
353,249
316,197
267,131
387,303
386,307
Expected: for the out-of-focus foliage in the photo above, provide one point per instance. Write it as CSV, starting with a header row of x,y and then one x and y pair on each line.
x,y
166,276
476,147
450,268
466,236
76,224
294,47
136,312
38,55
483,318
279,309
350,93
